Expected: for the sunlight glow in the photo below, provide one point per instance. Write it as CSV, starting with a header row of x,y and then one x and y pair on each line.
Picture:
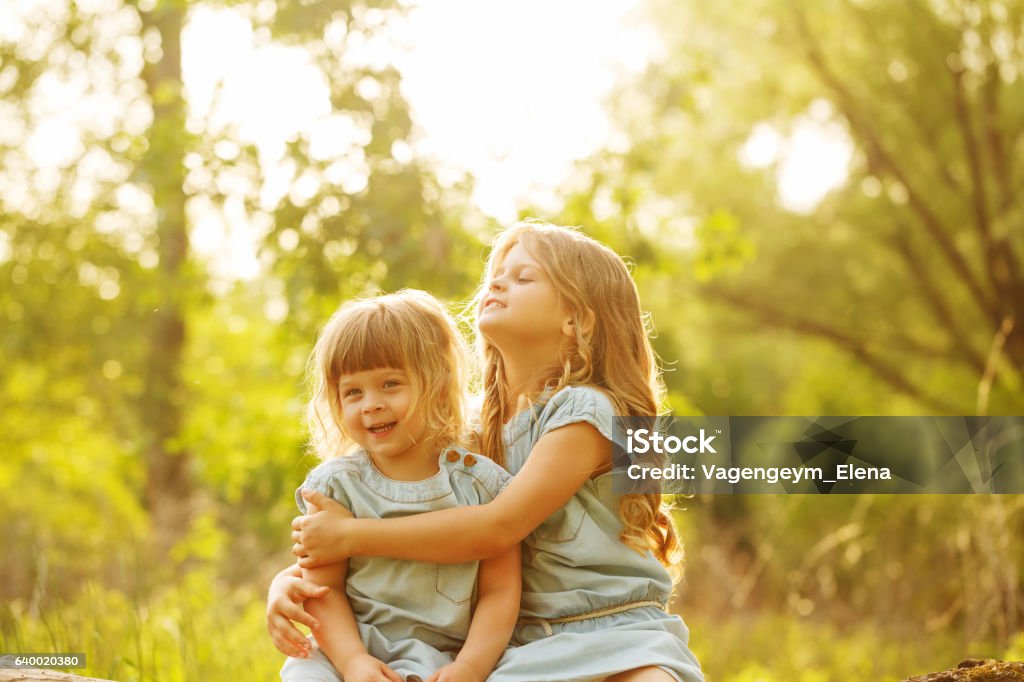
x,y
810,163
513,92
266,93
510,93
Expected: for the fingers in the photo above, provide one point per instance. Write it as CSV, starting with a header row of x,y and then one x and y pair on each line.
x,y
309,621
287,648
435,677
325,503
312,591
392,675
317,498
305,589
297,536
287,639
306,562
293,612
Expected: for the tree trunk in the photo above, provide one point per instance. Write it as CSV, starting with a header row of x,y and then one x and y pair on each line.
x,y
33,675
975,670
168,488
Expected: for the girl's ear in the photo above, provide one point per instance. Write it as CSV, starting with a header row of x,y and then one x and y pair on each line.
x,y
585,320
569,328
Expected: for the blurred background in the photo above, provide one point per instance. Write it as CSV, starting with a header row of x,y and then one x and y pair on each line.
x,y
821,200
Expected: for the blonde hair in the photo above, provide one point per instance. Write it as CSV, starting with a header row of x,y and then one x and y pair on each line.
x,y
409,330
611,351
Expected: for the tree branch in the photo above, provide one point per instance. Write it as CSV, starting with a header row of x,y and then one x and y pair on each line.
x,y
1005,259
877,151
978,194
940,309
930,133
772,317
991,365
994,134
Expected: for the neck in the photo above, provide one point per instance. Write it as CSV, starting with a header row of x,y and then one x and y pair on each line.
x,y
525,374
410,470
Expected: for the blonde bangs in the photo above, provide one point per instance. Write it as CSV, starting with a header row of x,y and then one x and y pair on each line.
x,y
357,340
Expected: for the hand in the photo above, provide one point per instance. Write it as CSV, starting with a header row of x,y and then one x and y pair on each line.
x,y
366,668
284,604
455,672
320,538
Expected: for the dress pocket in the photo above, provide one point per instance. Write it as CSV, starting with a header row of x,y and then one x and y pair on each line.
x,y
562,526
456,582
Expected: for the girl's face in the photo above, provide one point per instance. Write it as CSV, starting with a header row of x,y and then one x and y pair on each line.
x,y
521,303
377,410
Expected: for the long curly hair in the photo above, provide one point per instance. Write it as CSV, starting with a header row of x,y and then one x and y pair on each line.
x,y
611,351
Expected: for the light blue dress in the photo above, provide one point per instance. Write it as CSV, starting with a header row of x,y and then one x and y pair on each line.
x,y
413,615
574,564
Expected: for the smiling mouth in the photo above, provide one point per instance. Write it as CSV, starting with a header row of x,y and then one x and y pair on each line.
x,y
493,304
381,429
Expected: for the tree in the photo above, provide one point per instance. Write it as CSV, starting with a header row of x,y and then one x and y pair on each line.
x,y
898,292
909,271
101,171
168,489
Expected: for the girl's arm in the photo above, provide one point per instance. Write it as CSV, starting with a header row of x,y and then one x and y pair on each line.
x,y
499,585
560,463
338,635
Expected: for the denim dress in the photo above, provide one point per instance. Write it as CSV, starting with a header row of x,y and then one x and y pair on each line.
x,y
591,606
413,615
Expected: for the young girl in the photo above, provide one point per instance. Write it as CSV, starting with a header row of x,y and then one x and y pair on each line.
x,y
389,399
564,349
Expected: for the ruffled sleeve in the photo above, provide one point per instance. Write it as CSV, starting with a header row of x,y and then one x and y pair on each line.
x,y
479,478
575,404
327,479
493,479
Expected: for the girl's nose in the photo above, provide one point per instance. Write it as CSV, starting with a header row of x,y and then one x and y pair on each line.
x,y
372,404
497,284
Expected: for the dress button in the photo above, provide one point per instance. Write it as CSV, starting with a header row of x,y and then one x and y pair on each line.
x,y
453,456
469,461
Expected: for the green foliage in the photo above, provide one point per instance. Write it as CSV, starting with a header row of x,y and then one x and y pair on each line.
x,y
128,383
1016,650
933,579
69,489
908,268
721,247
193,628
773,648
